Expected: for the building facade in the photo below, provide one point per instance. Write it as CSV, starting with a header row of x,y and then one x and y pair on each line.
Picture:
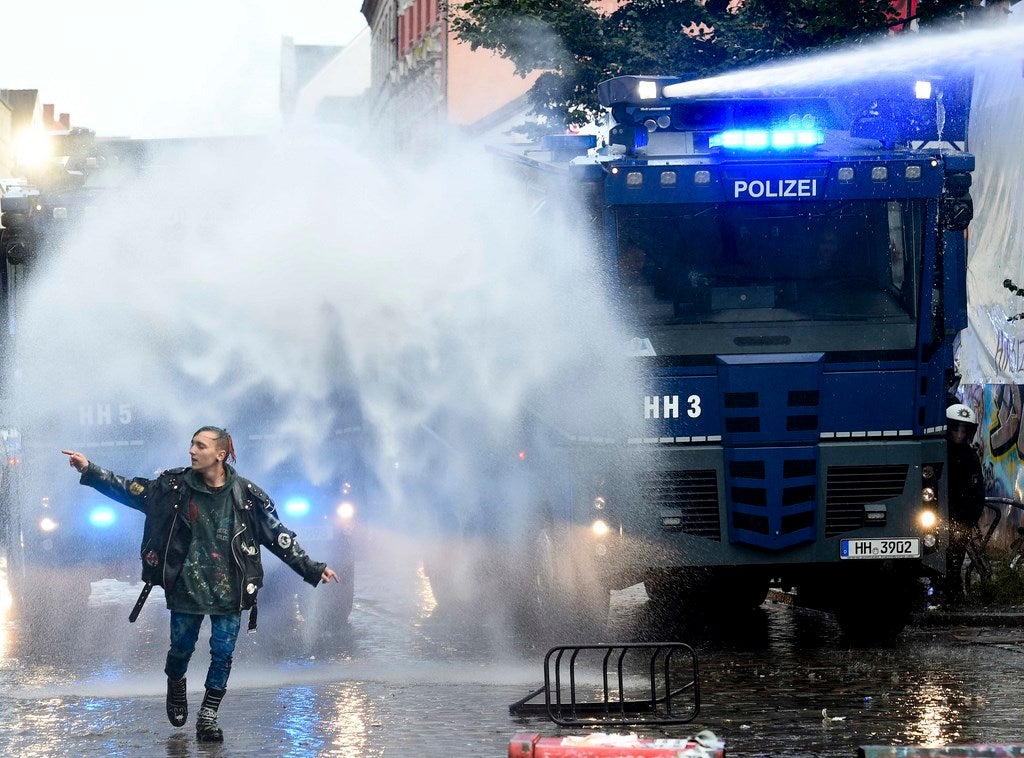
x,y
6,137
423,80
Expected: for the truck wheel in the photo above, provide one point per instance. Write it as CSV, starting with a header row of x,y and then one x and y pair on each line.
x,y
341,607
666,589
875,611
455,577
328,608
557,600
293,605
735,593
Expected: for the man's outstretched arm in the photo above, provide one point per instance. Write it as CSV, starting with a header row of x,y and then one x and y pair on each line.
x,y
130,492
78,461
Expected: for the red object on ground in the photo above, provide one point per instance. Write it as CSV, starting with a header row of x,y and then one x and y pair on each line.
x,y
532,745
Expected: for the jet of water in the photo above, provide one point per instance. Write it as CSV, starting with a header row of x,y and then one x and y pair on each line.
x,y
906,54
300,285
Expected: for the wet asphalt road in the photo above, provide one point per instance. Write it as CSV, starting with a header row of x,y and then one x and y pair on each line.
x,y
405,679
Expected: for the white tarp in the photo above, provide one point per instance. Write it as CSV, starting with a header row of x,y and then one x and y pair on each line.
x,y
992,346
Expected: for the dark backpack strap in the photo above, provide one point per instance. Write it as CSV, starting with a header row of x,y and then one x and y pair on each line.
x,y
141,602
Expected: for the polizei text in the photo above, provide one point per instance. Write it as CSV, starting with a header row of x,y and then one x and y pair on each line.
x,y
765,188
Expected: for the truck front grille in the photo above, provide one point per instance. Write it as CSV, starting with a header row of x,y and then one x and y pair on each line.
x,y
691,495
850,488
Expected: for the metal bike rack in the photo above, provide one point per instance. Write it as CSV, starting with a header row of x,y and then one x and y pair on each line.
x,y
620,684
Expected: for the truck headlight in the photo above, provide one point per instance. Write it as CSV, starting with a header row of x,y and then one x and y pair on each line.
x,y
346,511
600,528
47,524
927,519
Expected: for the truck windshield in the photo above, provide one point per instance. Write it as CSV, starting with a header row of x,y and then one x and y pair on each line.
x,y
773,276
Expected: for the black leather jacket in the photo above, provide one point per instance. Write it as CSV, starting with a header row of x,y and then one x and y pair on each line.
x,y
966,484
167,533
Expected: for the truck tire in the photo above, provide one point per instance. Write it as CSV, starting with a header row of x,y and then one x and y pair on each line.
x,y
340,608
875,609
448,584
324,611
558,601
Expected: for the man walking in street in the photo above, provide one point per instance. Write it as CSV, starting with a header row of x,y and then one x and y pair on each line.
x,y
201,542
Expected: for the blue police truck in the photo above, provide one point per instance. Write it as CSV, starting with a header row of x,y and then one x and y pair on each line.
x,y
792,271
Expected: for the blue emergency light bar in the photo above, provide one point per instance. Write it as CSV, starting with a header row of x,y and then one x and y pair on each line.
x,y
767,139
102,516
296,507
893,109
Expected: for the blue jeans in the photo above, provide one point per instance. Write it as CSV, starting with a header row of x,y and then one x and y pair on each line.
x,y
185,632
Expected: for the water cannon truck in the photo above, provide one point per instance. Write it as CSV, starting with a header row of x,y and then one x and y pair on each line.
x,y
792,272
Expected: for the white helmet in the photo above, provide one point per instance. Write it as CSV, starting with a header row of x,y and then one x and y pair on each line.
x,y
963,414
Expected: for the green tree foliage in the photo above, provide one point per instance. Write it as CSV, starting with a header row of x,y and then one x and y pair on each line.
x,y
576,46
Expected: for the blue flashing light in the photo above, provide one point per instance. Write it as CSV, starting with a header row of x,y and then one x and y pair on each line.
x,y
102,516
764,139
782,140
296,507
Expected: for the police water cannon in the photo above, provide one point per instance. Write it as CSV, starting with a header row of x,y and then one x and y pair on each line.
x,y
35,209
791,267
20,210
56,161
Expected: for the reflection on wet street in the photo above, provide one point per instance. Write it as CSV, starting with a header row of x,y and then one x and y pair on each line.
x,y
408,677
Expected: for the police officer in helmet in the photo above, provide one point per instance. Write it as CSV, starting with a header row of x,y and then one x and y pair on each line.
x,y
966,485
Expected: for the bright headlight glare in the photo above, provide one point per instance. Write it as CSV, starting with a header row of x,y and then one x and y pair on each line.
x,y
32,148
346,511
927,519
600,528
47,524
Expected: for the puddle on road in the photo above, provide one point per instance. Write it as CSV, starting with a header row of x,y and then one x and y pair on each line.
x,y
781,682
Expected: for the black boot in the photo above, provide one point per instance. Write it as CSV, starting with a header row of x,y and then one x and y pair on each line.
x,y
177,703
207,729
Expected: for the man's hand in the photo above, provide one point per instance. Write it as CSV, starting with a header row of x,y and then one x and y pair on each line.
x,y
78,461
329,575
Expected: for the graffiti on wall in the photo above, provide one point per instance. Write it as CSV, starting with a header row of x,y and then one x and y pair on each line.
x,y
1000,443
